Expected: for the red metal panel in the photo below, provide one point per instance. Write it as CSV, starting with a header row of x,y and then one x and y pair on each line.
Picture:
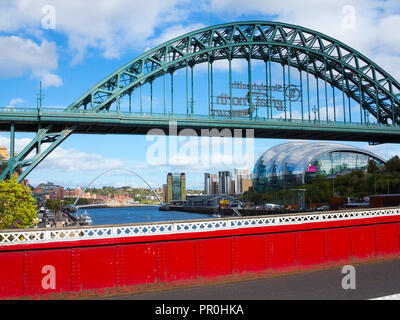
x,y
106,263
387,239
11,274
281,250
138,264
48,264
97,267
338,244
310,247
161,267
250,255
75,269
214,257
363,242
179,260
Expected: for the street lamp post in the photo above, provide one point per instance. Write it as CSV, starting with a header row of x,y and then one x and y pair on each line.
x,y
315,109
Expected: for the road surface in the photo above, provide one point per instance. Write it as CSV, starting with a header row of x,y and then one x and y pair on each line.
x,y
372,280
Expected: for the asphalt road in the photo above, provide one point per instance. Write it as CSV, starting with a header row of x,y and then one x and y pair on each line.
x,y
372,280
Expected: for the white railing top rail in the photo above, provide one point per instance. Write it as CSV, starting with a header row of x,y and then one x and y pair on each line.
x,y
31,236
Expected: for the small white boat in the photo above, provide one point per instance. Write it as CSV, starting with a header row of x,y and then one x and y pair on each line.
x,y
85,219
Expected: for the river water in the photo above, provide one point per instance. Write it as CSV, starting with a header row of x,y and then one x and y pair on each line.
x,y
125,215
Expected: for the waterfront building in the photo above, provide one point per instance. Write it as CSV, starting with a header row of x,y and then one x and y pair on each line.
x,y
176,187
246,185
210,200
165,193
224,182
170,180
72,193
214,184
207,183
48,191
242,181
295,163
182,186
4,157
232,187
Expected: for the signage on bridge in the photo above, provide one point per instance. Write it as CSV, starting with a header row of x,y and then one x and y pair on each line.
x,y
261,98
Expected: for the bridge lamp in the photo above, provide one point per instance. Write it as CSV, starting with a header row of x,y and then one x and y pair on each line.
x,y
315,109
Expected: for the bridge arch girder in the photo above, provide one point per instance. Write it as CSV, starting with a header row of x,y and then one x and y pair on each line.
x,y
310,51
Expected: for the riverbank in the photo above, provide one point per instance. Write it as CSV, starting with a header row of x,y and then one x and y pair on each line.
x,y
202,210
133,205
226,211
146,214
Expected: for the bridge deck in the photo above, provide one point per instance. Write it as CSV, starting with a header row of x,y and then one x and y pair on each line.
x,y
27,120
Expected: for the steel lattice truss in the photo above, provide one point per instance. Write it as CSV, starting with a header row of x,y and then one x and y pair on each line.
x,y
309,51
298,47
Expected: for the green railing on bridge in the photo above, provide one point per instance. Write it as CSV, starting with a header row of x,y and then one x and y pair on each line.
x,y
62,112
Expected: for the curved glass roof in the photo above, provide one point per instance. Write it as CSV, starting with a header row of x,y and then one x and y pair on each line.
x,y
294,157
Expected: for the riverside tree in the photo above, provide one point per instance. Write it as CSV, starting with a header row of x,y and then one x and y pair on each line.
x,y
17,207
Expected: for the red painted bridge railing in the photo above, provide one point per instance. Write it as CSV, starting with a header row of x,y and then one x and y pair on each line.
x,y
78,261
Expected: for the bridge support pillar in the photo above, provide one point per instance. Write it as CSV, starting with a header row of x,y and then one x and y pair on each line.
x,y
22,161
12,140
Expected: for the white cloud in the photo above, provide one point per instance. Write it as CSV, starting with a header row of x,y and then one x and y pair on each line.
x,y
19,143
13,102
115,27
174,31
72,160
109,26
238,65
385,151
20,56
51,80
67,160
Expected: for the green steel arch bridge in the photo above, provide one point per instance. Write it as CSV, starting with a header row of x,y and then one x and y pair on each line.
x,y
329,91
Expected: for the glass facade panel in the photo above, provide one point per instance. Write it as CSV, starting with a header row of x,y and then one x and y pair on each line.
x,y
295,163
176,187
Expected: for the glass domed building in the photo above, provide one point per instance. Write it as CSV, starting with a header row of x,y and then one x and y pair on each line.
x,y
295,163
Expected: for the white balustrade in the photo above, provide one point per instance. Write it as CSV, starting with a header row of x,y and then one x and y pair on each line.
x,y
30,236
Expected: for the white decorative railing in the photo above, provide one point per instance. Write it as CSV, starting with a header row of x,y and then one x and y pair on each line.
x,y
29,236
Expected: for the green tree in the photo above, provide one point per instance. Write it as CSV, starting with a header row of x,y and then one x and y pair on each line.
x,y
393,164
17,207
53,204
372,166
320,190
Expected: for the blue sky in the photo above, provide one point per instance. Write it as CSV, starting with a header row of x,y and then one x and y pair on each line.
x,y
71,45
